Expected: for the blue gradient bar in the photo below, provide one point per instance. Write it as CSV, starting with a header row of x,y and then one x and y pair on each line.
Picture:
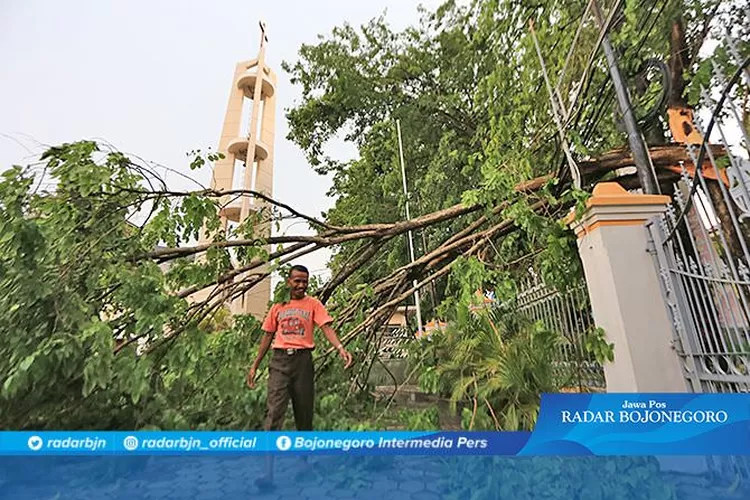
x,y
388,477
282,443
568,425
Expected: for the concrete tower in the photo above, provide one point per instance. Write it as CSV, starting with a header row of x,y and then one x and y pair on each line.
x,y
248,161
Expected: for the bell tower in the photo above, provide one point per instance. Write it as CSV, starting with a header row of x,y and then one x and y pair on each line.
x,y
248,162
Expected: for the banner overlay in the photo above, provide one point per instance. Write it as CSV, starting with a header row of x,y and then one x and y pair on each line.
x,y
568,424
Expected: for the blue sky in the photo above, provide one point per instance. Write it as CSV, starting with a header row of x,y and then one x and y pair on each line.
x,y
153,77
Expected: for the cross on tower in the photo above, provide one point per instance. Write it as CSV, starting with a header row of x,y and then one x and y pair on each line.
x,y
263,36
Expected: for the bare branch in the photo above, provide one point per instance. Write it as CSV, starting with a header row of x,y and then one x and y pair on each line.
x,y
249,267
235,192
351,268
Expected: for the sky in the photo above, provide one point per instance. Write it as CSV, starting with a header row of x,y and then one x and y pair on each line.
x,y
153,78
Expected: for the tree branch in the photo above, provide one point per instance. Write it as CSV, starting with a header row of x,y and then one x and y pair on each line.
x,y
350,269
238,192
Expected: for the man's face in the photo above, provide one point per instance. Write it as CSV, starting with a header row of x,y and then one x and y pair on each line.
x,y
297,283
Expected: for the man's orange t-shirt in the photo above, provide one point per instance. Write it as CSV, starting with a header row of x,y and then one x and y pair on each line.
x,y
293,322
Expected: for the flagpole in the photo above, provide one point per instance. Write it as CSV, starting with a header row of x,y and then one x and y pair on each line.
x,y
408,218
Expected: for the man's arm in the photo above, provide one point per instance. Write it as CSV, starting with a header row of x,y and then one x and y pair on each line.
x,y
265,344
334,340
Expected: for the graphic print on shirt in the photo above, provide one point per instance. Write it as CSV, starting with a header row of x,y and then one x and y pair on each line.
x,y
292,321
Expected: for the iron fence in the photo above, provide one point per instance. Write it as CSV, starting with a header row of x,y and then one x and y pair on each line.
x,y
394,341
569,314
701,247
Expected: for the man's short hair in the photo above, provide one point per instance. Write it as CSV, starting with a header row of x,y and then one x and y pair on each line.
x,y
301,269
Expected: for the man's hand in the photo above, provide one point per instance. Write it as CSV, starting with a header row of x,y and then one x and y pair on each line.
x,y
265,344
331,336
345,356
251,378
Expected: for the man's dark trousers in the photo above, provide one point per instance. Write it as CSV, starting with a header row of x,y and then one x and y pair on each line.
x,y
291,374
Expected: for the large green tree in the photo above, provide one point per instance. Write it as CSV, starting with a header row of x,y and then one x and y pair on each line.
x,y
92,335
468,88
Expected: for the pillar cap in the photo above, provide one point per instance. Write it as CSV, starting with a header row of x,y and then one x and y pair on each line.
x,y
611,193
611,205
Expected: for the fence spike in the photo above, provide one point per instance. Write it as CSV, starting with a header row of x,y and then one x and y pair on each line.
x,y
663,224
708,269
679,263
691,152
736,169
735,53
719,73
693,265
725,273
743,270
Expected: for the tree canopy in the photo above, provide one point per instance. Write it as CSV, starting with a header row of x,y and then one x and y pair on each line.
x,y
468,88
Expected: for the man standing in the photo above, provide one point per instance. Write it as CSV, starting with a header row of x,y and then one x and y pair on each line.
x,y
289,327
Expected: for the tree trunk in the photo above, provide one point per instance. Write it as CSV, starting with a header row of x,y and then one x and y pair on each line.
x,y
679,59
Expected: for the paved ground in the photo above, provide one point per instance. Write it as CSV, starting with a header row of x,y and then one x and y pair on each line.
x,y
224,479
170,478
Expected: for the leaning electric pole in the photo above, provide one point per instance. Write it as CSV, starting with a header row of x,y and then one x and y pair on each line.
x,y
643,165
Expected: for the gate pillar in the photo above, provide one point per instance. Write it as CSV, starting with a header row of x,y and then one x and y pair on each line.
x,y
623,285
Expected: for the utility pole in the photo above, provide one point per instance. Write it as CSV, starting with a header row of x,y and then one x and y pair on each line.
x,y
643,165
408,218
